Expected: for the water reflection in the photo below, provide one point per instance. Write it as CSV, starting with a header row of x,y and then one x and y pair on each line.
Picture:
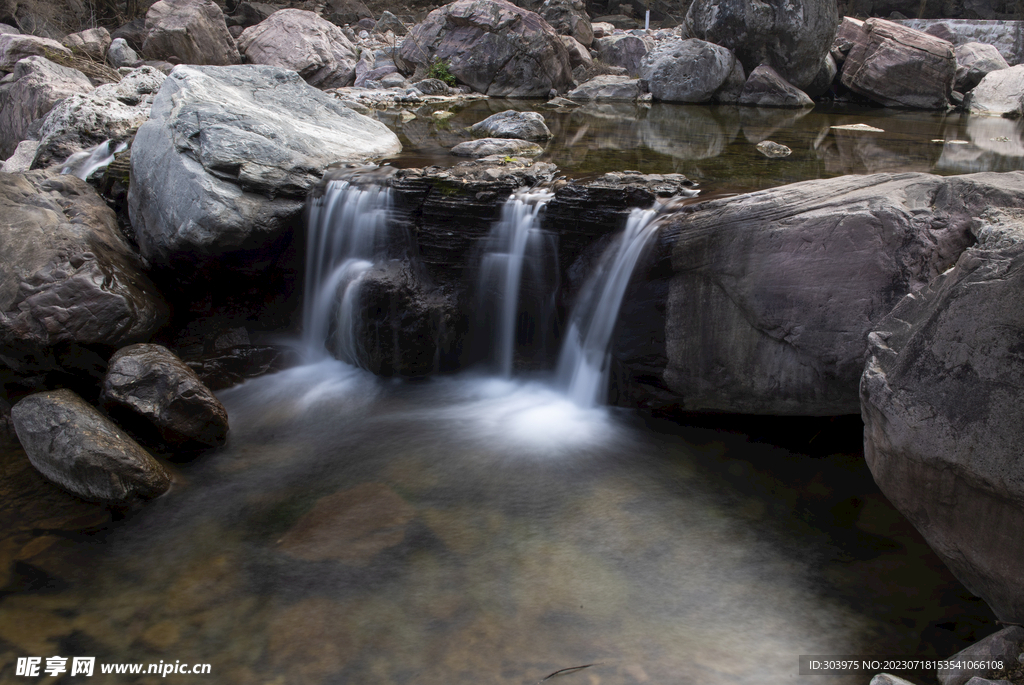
x,y
715,144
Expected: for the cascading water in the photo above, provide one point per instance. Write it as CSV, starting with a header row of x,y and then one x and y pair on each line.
x,y
84,164
583,364
519,258
347,233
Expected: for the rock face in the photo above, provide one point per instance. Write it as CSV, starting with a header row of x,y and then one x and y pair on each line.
x,y
622,50
82,451
791,37
38,85
941,395
153,384
111,112
772,294
484,147
607,87
900,67
974,61
492,46
513,124
16,47
70,286
223,165
1000,93
303,42
193,31
765,88
568,18
691,70
92,43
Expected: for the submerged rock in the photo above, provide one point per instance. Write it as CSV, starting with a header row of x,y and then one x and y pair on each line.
x,y
496,146
82,451
150,382
773,150
221,169
941,393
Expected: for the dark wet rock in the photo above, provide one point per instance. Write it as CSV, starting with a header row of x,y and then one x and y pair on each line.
x,y
133,33
405,326
92,43
70,285
765,88
1005,645
622,50
773,150
350,526
824,79
492,46
485,147
225,368
513,124
149,384
111,112
304,42
607,88
773,293
974,61
192,31
38,85
568,18
344,12
120,54
16,47
791,37
940,397
1000,93
82,451
690,70
248,14
389,22
221,169
900,67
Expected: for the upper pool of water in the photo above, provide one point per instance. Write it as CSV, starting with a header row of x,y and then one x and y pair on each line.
x,y
716,145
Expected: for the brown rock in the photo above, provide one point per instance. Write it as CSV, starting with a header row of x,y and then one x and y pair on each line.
x,y
193,31
900,67
15,47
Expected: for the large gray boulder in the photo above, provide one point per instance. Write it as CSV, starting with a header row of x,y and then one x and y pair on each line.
x,y
513,124
773,293
152,385
82,451
900,67
974,61
38,85
224,164
568,18
492,46
692,70
114,111
765,88
192,31
15,47
69,282
304,42
791,36
622,50
1000,93
941,397
92,43
608,87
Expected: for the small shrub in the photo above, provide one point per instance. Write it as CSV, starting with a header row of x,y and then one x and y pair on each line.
x,y
439,70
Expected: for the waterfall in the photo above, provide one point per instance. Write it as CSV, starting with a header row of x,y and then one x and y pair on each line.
x,y
583,365
84,164
347,230
519,263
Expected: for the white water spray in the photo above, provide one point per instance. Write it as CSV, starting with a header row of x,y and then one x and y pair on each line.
x,y
583,365
347,231
84,164
515,244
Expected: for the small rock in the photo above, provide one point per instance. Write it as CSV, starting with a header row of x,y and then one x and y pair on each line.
x,y
857,127
773,150
561,102
765,88
121,55
22,158
513,124
484,147
82,451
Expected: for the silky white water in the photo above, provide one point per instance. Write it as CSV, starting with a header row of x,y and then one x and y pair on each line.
x,y
87,162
